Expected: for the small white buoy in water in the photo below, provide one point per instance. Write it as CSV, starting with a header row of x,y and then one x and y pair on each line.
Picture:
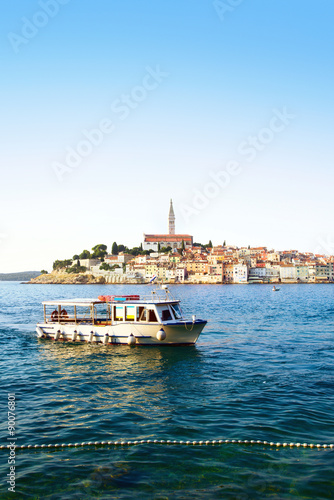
x,y
161,335
131,339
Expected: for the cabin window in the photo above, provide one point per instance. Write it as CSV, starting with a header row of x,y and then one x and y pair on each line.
x,y
129,313
141,313
152,317
176,310
166,315
101,313
118,313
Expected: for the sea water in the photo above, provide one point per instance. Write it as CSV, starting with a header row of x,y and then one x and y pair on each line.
x,y
263,369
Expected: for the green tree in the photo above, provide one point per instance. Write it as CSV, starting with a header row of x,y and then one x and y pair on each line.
x,y
114,248
159,247
85,254
61,264
224,244
76,269
182,246
121,248
43,271
105,267
198,245
165,249
76,257
99,251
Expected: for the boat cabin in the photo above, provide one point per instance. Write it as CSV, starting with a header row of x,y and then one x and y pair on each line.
x,y
102,313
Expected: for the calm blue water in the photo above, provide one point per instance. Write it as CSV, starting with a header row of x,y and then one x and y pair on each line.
x,y
262,369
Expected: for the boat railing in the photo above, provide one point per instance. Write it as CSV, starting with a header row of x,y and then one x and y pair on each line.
x,y
162,294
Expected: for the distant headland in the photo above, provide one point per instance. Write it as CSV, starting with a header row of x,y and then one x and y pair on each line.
x,y
22,276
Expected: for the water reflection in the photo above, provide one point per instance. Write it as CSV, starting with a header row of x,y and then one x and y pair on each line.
x,y
126,390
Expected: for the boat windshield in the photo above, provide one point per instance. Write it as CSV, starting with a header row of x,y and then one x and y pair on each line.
x,y
176,311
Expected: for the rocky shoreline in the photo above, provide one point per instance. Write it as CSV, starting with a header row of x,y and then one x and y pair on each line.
x,y
63,278
60,278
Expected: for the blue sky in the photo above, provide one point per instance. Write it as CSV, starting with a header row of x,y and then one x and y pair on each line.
x,y
181,89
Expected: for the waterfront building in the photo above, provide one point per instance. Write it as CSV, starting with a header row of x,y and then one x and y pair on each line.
x,y
228,273
257,274
181,273
302,273
324,271
197,266
266,274
240,273
204,279
137,270
288,272
216,269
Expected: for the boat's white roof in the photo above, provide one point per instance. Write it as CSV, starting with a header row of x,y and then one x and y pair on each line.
x,y
89,302
71,302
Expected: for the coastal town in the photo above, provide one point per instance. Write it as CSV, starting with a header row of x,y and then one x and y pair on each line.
x,y
176,258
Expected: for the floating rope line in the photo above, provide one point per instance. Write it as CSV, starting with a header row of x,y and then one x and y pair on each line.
x,y
171,442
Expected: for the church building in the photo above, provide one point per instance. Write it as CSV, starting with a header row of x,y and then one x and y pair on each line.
x,y
156,241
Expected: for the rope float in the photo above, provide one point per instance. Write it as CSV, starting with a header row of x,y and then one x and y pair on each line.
x,y
171,442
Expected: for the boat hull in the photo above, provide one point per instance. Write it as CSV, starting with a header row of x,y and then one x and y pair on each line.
x,y
176,333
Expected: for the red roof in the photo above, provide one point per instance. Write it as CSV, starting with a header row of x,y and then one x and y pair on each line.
x,y
168,237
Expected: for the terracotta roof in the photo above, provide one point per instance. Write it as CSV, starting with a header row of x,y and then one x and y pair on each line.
x,y
168,237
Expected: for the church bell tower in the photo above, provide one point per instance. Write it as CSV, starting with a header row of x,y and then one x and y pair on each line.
x,y
171,219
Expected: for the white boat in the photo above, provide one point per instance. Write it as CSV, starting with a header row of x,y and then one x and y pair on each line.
x,y
275,289
120,319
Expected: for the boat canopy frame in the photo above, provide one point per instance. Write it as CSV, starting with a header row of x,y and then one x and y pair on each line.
x,y
114,312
